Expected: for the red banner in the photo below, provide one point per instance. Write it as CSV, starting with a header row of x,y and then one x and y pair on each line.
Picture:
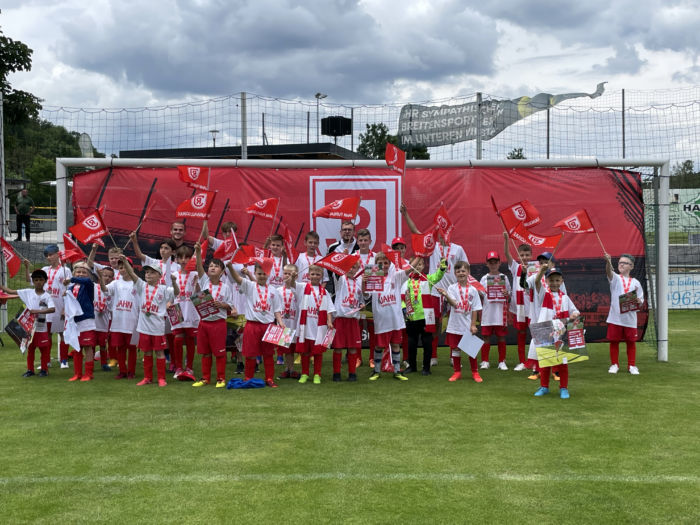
x,y
525,236
197,207
395,158
194,176
520,212
579,222
424,244
265,209
345,209
90,229
11,258
340,263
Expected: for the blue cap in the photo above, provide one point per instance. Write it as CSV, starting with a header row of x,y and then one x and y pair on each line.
x,y
50,249
545,255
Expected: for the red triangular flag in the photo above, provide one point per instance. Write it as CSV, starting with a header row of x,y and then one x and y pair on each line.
x,y
288,237
191,265
198,206
339,263
476,284
395,158
11,258
72,251
443,223
579,222
524,235
423,243
519,212
194,176
90,229
244,254
226,250
345,209
395,257
265,209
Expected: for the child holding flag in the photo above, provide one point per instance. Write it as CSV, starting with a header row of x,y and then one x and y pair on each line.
x,y
185,332
125,316
348,302
494,310
56,274
521,296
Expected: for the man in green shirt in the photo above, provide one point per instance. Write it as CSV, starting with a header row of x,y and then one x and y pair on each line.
x,y
24,207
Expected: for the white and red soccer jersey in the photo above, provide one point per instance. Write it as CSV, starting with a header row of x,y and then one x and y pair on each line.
x,y
261,302
536,297
55,288
34,301
365,259
303,262
468,301
556,305
619,286
219,292
494,312
150,261
348,297
452,254
102,306
313,303
386,305
187,284
124,306
276,277
153,304
291,305
520,297
99,267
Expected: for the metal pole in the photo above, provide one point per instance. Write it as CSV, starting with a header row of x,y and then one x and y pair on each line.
x,y
623,123
308,126
4,215
662,248
547,132
244,127
352,129
478,126
318,131
263,129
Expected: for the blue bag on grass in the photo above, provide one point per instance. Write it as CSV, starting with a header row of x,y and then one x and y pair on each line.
x,y
237,382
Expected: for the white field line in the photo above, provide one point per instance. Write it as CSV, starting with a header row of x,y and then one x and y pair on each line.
x,y
340,476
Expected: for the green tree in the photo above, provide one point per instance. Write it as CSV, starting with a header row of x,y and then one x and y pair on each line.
x,y
373,143
18,106
683,175
516,154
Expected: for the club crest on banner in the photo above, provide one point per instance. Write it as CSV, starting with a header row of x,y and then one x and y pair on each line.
x,y
519,212
7,254
574,224
193,173
337,257
199,201
535,240
429,242
261,204
92,222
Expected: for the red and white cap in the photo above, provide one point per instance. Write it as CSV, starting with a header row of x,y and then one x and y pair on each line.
x,y
492,255
397,240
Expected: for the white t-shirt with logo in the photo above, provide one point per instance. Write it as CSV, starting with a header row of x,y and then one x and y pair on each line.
x,y
153,304
55,288
313,303
37,302
468,301
348,297
219,292
303,262
619,286
101,303
261,302
187,284
124,306
494,312
386,305
452,253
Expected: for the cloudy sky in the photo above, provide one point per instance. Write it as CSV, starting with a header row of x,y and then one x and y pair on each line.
x,y
109,54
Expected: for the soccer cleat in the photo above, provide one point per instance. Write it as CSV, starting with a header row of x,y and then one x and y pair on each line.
x,y
476,377
43,373
317,379
144,381
634,371
541,391
433,361
177,373
285,375
564,393
106,368
113,363
455,377
374,376
502,365
268,382
426,372
352,377
76,377
64,364
336,377
484,365
409,370
294,374
199,383
534,376
131,376
239,368
120,376
28,373
86,377
220,384
613,369
303,378
519,367
280,360
162,382
400,376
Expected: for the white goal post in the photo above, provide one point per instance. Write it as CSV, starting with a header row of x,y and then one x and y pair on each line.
x,y
661,168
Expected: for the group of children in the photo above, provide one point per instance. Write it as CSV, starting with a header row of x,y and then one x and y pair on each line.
x,y
111,308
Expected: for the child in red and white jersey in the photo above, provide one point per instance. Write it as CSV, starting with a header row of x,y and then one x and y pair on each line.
x,y
185,332
464,300
292,295
348,303
211,333
309,257
56,275
521,296
103,317
494,313
125,316
166,249
622,326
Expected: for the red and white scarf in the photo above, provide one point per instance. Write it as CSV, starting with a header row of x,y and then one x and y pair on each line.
x,y
309,296
553,306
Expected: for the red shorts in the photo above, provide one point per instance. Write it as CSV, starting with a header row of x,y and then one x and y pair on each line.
x,y
185,332
452,340
119,339
100,338
211,337
309,347
519,325
387,338
347,333
41,340
149,343
500,331
618,333
87,338
253,345
283,350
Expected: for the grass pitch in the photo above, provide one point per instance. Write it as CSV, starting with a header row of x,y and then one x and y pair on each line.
x,y
623,449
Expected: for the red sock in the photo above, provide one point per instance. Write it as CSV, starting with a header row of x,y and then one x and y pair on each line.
x,y
190,342
337,360
631,353
45,357
521,346
544,376
501,351
473,364
352,363
160,368
63,350
485,349
615,353
30,358
206,367
457,363
131,360
89,368
305,363
563,376
318,363
249,368
148,366
121,359
221,367
170,338
78,363
104,355
176,356
269,362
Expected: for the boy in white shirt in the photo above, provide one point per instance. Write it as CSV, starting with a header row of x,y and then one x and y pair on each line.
x,y
308,258
494,313
185,333
622,326
348,302
464,300
292,295
521,295
56,276
125,315
102,317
